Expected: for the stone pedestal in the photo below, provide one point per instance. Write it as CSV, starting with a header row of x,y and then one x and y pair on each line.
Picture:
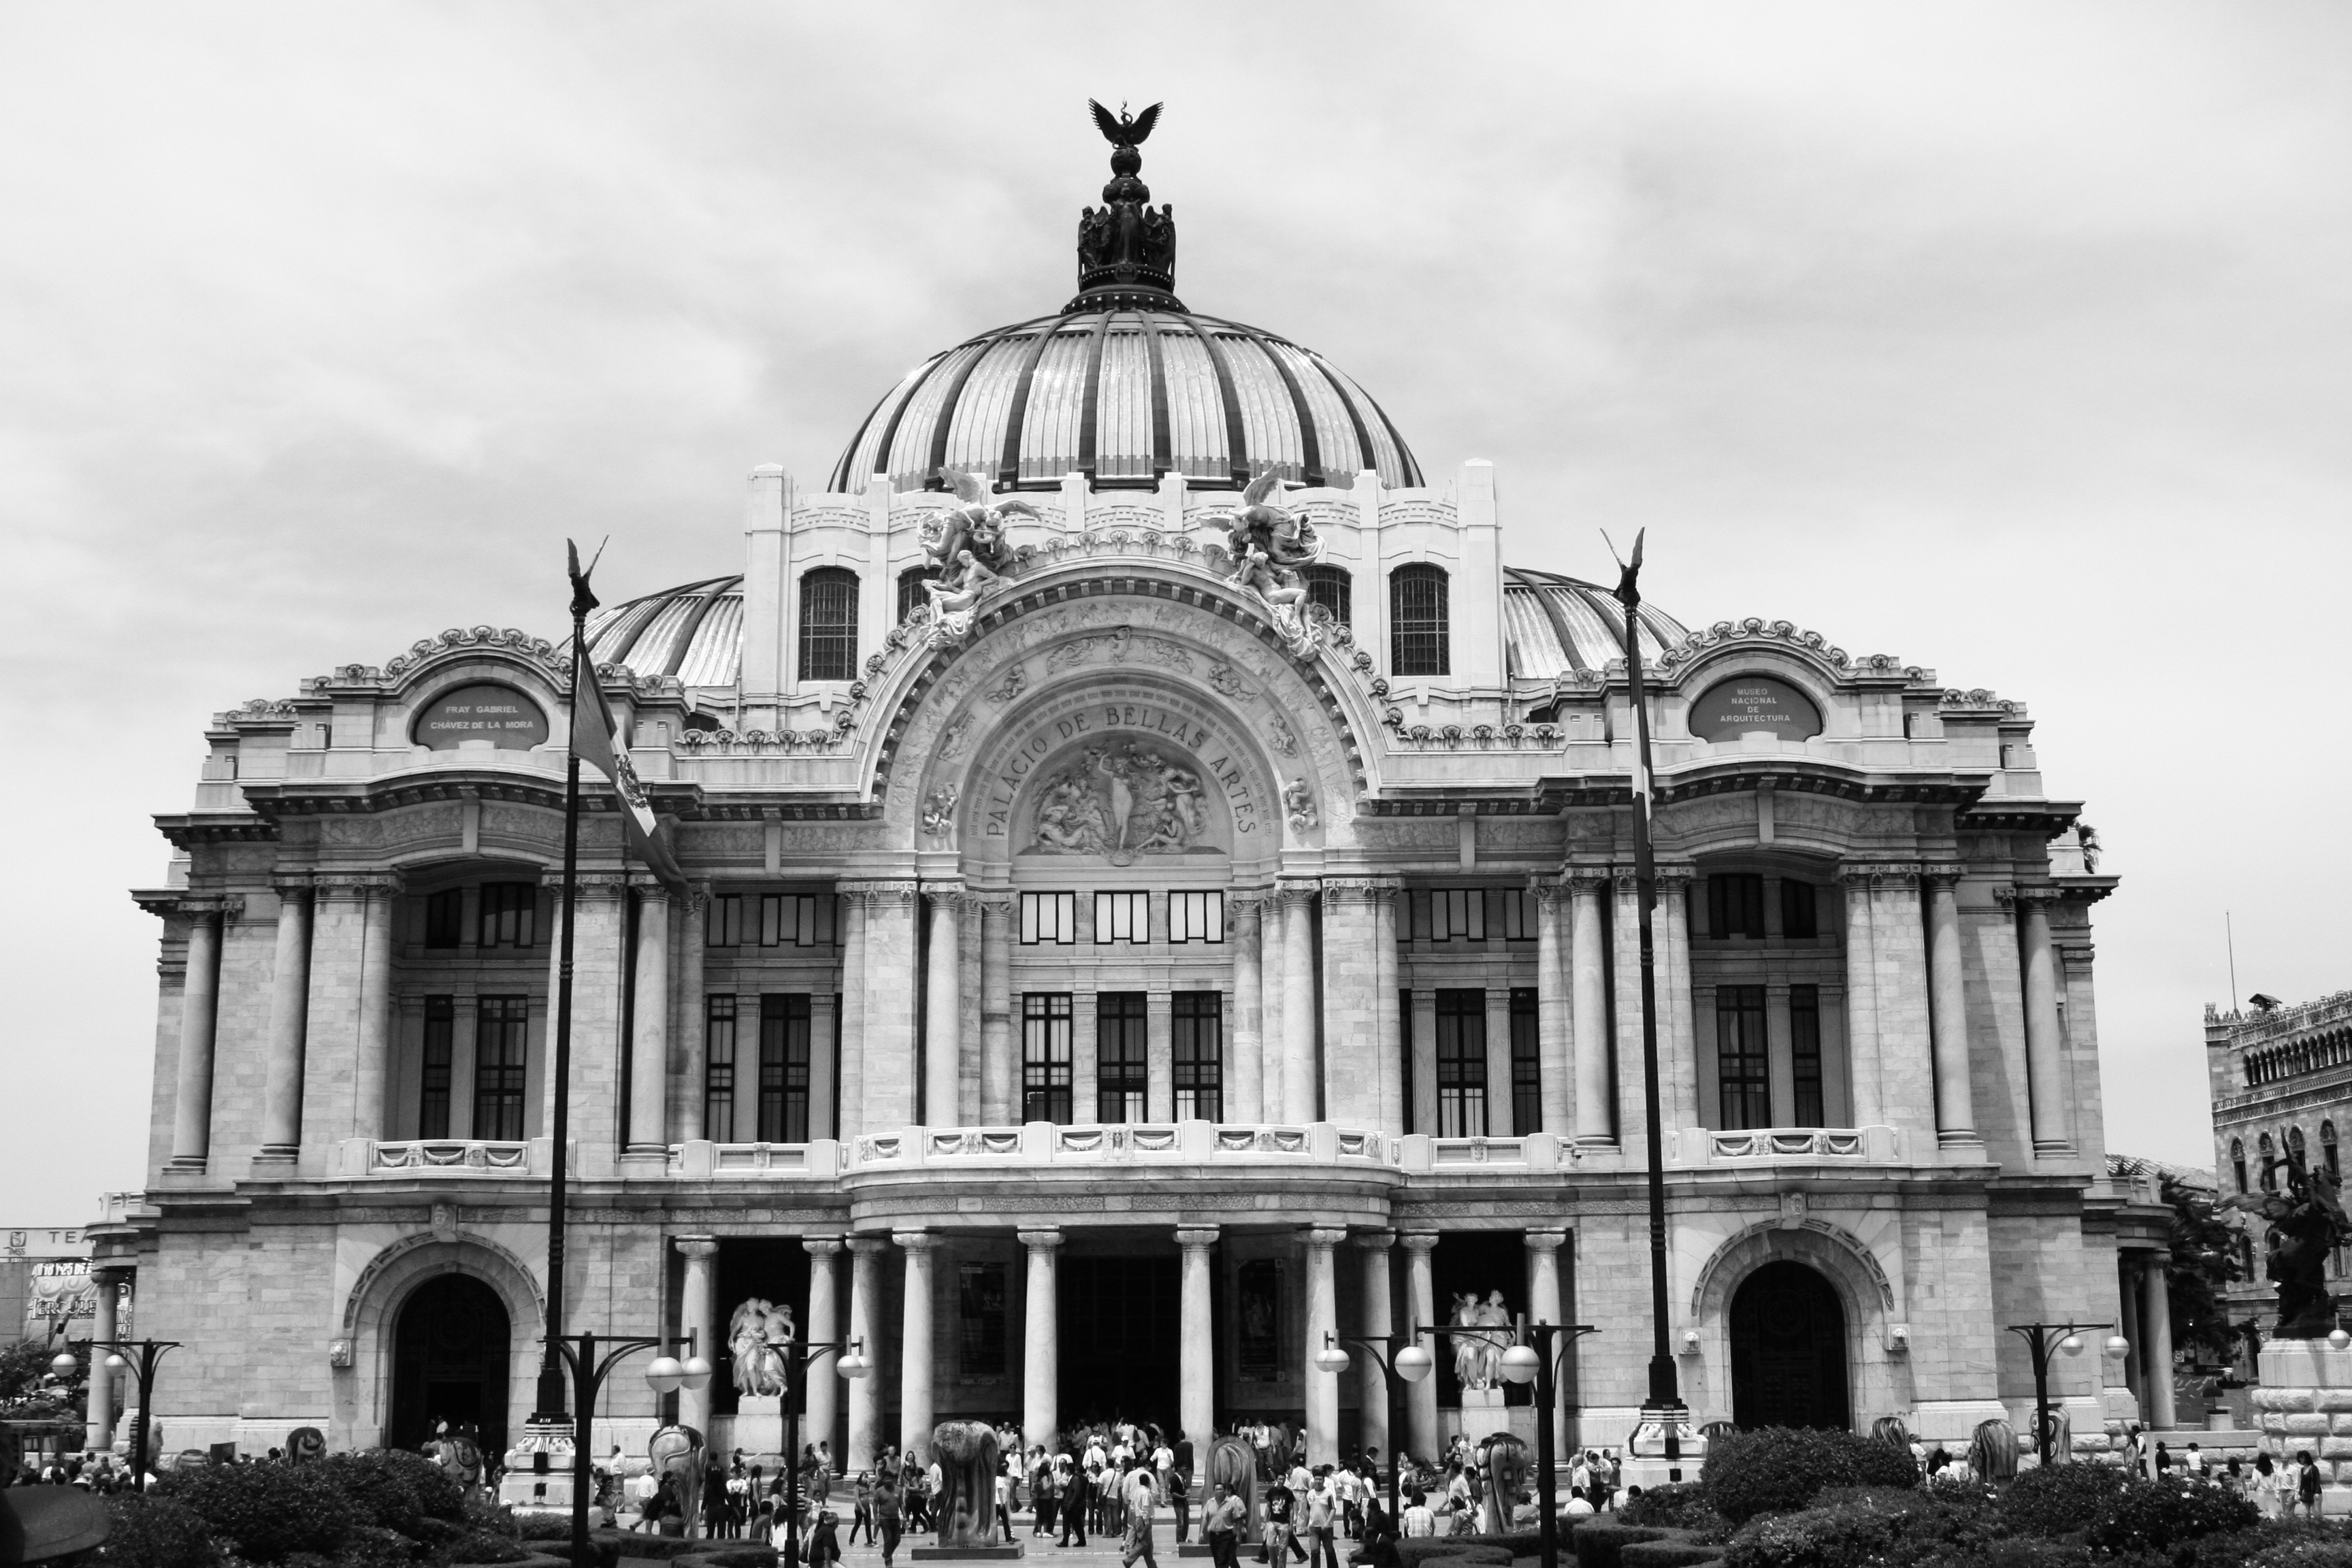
x,y
530,1490
1645,1453
759,1424
2304,1403
1483,1413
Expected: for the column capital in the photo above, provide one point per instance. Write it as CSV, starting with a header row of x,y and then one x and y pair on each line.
x,y
593,885
1550,891
1039,1240
996,902
357,886
1421,1241
1197,1238
1586,881
700,1247
1675,879
1941,875
821,1246
915,1241
879,893
1247,904
945,891
2027,896
1546,1240
291,885
1324,1237
1374,1240
1873,874
869,1247
1360,890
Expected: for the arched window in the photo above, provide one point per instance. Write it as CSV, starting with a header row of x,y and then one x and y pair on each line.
x,y
829,625
2295,1148
2268,1151
1419,640
2238,1160
910,589
2328,1150
1331,587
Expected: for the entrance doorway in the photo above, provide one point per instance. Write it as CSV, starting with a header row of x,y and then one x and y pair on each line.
x,y
1121,1350
1787,1350
450,1364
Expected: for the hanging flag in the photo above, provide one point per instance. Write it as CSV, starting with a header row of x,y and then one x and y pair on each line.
x,y
596,741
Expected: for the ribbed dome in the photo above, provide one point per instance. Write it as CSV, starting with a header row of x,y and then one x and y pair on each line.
x,y
1123,396
1553,626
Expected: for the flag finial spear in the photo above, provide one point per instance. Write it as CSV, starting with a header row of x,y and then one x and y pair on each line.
x,y
583,599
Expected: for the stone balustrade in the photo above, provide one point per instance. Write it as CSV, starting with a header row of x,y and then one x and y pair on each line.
x,y
359,1158
1787,1145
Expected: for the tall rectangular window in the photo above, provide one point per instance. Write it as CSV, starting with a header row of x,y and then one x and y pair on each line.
x,y
444,918
1743,1062
1460,1064
1405,1043
1197,1027
1046,1029
1798,908
722,923
1805,1053
797,920
719,1069
509,912
1734,904
829,625
440,1040
1122,916
1196,917
501,1060
1511,913
784,1067
1121,1076
1049,918
1418,643
1526,1063
1457,914
979,1320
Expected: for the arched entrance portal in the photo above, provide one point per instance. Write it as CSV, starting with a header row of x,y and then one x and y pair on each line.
x,y
450,1363
1787,1350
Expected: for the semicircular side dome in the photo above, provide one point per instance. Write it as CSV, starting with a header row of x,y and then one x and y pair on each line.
x,y
1122,397
693,633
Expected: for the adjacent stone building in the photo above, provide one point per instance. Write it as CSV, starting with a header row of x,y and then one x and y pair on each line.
x,y
1092,1001
2282,1085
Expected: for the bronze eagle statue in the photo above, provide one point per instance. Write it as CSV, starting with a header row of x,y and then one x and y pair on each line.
x,y
1118,129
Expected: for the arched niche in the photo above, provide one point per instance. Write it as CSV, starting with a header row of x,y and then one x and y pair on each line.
x,y
1878,1383
363,1405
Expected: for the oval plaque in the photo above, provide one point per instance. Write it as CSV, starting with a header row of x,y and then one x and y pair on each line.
x,y
499,714
1754,705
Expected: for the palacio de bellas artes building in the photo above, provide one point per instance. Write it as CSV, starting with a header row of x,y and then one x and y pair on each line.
x,y
1160,890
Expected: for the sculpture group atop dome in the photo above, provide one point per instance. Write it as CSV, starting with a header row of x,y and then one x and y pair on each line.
x,y
1126,252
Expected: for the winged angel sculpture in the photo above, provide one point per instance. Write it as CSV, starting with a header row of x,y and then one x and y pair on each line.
x,y
965,544
1265,545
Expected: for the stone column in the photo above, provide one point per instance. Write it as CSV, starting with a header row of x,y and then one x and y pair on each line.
x,y
1589,1015
373,1070
999,1060
2127,1296
1197,1408
105,1323
1372,1387
1554,1021
853,1009
1861,1041
864,1397
1387,1013
1421,1307
649,1027
1948,1015
1677,1030
1543,1306
693,1017
1322,1318
1272,979
1041,1341
698,1316
822,1393
1246,1061
192,1128
1298,1084
943,1008
2046,1046
2155,1320
915,1407
290,1018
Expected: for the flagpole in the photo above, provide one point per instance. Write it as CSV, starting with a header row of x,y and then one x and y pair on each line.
x,y
551,1401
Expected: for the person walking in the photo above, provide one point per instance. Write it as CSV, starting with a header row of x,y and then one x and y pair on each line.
x,y
887,1519
1074,1497
1179,1488
862,1515
1220,1525
1004,1502
824,1548
2265,1486
1044,1494
1140,1500
2306,1484
1322,1521
1279,1504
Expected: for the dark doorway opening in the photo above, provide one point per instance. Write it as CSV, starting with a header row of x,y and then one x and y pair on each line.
x,y
449,1363
1121,1340
1787,1350
1476,1264
767,1269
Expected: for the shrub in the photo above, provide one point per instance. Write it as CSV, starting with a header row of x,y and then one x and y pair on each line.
x,y
1596,1545
482,1546
155,1532
265,1514
371,1546
1669,1555
2059,1499
2149,1516
542,1526
1779,1468
738,1557
1677,1505
1471,1550
393,1491
1849,1527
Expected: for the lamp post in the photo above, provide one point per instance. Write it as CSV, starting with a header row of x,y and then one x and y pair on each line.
x,y
579,1357
853,1366
1539,1363
2043,1340
1401,1362
142,1372
1665,1407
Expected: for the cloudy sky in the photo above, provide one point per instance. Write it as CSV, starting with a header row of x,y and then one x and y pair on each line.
x,y
2010,340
